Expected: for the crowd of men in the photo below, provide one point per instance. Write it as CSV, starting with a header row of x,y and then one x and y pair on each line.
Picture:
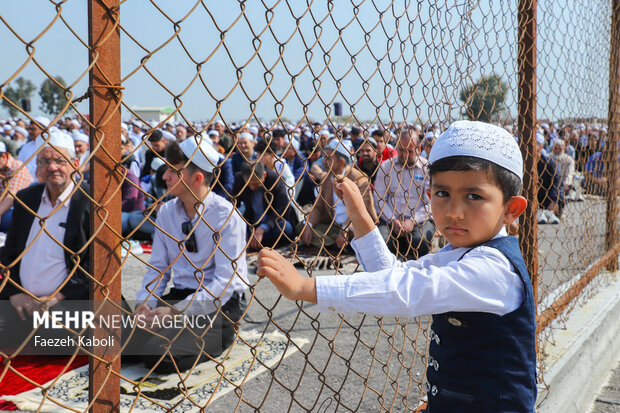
x,y
206,194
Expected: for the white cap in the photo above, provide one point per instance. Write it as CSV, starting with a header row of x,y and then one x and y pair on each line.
x,y
168,136
324,132
2,147
479,140
254,130
124,126
41,120
156,163
20,130
342,147
213,132
246,135
74,122
7,128
200,152
79,136
540,138
58,139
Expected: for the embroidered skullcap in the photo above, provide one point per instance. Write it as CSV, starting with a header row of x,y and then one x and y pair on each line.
x,y
20,130
246,135
78,136
42,121
201,152
58,139
343,147
479,140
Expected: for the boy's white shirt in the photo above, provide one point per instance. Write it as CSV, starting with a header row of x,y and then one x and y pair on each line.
x,y
482,281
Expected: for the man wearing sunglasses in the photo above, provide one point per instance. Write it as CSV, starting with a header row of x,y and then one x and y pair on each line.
x,y
200,238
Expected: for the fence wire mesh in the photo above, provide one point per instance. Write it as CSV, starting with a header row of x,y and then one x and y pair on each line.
x,y
274,90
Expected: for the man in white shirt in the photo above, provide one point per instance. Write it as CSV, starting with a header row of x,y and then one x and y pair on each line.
x,y
202,241
402,201
44,255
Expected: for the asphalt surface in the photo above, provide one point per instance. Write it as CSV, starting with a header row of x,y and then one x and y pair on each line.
x,y
608,399
369,363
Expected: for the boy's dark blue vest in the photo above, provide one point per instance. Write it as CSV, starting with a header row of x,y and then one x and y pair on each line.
x,y
482,362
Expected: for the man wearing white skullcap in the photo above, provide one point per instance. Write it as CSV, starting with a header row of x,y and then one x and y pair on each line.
x,y
328,223
245,151
81,143
46,245
482,342
28,149
202,241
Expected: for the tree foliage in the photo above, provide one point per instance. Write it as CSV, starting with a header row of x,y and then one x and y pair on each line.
x,y
484,100
23,90
52,95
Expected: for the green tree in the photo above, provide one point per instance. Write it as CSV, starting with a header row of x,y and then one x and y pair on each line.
x,y
52,94
24,89
484,100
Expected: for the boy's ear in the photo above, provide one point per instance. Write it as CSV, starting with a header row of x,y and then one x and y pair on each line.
x,y
514,208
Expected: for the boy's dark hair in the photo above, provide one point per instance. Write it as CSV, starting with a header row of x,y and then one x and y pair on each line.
x,y
278,133
508,182
262,145
377,132
174,156
156,136
252,169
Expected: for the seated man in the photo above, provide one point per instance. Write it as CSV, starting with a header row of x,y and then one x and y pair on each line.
x,y
328,223
368,159
402,200
267,207
245,151
54,264
15,177
202,241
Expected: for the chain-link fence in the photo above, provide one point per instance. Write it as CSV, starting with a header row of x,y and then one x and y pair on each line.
x,y
270,102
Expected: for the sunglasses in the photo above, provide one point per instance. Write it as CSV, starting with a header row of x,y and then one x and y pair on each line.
x,y
190,243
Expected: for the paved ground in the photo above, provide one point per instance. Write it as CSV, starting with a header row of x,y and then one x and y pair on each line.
x,y
367,363
608,399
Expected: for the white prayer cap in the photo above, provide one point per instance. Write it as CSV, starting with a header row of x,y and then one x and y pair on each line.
x,y
137,123
342,147
200,152
79,136
124,126
213,132
168,136
254,130
540,138
246,135
22,131
479,140
417,127
75,123
7,128
2,147
58,139
429,136
324,132
219,122
156,163
41,120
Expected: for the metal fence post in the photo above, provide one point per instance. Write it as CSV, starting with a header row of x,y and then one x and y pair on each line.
x,y
526,64
105,116
611,235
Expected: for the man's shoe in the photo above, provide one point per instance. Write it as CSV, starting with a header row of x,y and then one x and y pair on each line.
x,y
542,218
552,218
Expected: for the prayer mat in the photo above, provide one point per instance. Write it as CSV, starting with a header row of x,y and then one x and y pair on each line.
x,y
202,384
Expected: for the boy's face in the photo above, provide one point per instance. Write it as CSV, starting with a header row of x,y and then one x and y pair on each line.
x,y
468,208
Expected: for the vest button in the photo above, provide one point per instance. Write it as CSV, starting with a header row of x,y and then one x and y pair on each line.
x,y
436,365
436,338
434,390
427,387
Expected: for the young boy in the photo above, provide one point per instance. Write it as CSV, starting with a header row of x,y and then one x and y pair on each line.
x,y
482,355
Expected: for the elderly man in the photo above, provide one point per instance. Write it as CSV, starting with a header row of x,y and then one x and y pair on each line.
x,y
44,255
15,177
202,241
81,142
328,223
245,151
402,200
180,133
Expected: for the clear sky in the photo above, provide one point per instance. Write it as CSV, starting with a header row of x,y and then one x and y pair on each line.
x,y
405,60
